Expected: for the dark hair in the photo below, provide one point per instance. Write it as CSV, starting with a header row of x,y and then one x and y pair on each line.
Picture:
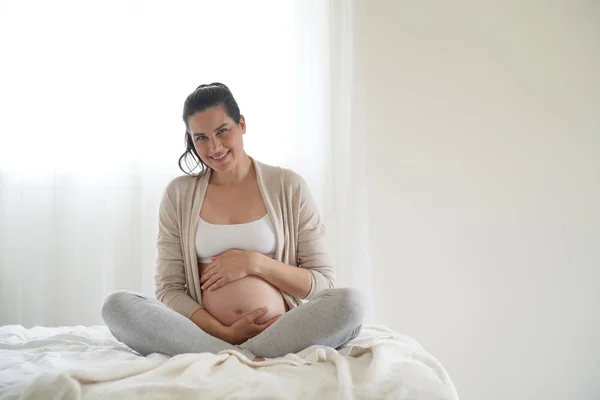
x,y
204,97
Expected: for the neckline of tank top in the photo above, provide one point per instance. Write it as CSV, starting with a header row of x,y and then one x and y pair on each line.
x,y
234,225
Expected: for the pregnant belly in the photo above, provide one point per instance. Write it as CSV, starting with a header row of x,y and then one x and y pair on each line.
x,y
231,302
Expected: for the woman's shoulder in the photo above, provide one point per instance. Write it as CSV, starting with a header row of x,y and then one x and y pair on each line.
x,y
182,184
285,176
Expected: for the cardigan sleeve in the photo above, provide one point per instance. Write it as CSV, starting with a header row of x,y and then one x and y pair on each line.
x,y
311,248
170,283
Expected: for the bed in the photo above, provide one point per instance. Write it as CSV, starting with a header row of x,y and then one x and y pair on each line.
x,y
88,363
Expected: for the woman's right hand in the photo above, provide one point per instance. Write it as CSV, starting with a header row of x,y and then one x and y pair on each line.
x,y
246,327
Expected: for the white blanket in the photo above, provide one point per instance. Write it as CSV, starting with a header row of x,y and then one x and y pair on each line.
x,y
87,362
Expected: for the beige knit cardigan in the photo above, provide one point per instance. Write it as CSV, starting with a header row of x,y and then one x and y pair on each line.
x,y
300,235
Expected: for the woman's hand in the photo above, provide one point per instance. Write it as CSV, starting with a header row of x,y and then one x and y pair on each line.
x,y
246,327
227,267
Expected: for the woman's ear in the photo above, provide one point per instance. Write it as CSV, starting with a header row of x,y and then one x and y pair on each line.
x,y
242,124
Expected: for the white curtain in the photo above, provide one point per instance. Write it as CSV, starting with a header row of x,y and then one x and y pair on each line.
x,y
91,95
347,186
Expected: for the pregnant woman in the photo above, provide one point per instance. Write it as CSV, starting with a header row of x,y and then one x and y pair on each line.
x,y
242,260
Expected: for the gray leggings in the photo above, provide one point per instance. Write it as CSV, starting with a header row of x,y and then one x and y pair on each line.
x,y
146,325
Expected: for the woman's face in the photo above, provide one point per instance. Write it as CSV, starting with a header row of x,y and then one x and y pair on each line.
x,y
217,138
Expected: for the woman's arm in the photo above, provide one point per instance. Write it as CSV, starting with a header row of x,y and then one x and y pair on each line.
x,y
293,280
316,270
170,273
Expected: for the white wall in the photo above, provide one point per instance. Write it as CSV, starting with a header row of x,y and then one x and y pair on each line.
x,y
483,130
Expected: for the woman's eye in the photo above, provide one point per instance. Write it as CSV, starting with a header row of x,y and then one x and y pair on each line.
x,y
221,131
200,137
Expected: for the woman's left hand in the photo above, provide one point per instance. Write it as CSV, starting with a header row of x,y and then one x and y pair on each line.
x,y
227,267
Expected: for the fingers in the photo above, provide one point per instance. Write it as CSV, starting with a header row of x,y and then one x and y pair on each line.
x,y
208,272
252,316
270,322
214,278
261,327
220,283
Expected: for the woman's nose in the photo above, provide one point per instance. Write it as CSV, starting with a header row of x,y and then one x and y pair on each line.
x,y
214,145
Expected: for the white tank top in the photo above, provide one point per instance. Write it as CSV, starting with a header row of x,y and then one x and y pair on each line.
x,y
212,240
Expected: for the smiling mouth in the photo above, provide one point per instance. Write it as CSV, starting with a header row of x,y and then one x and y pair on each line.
x,y
219,158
